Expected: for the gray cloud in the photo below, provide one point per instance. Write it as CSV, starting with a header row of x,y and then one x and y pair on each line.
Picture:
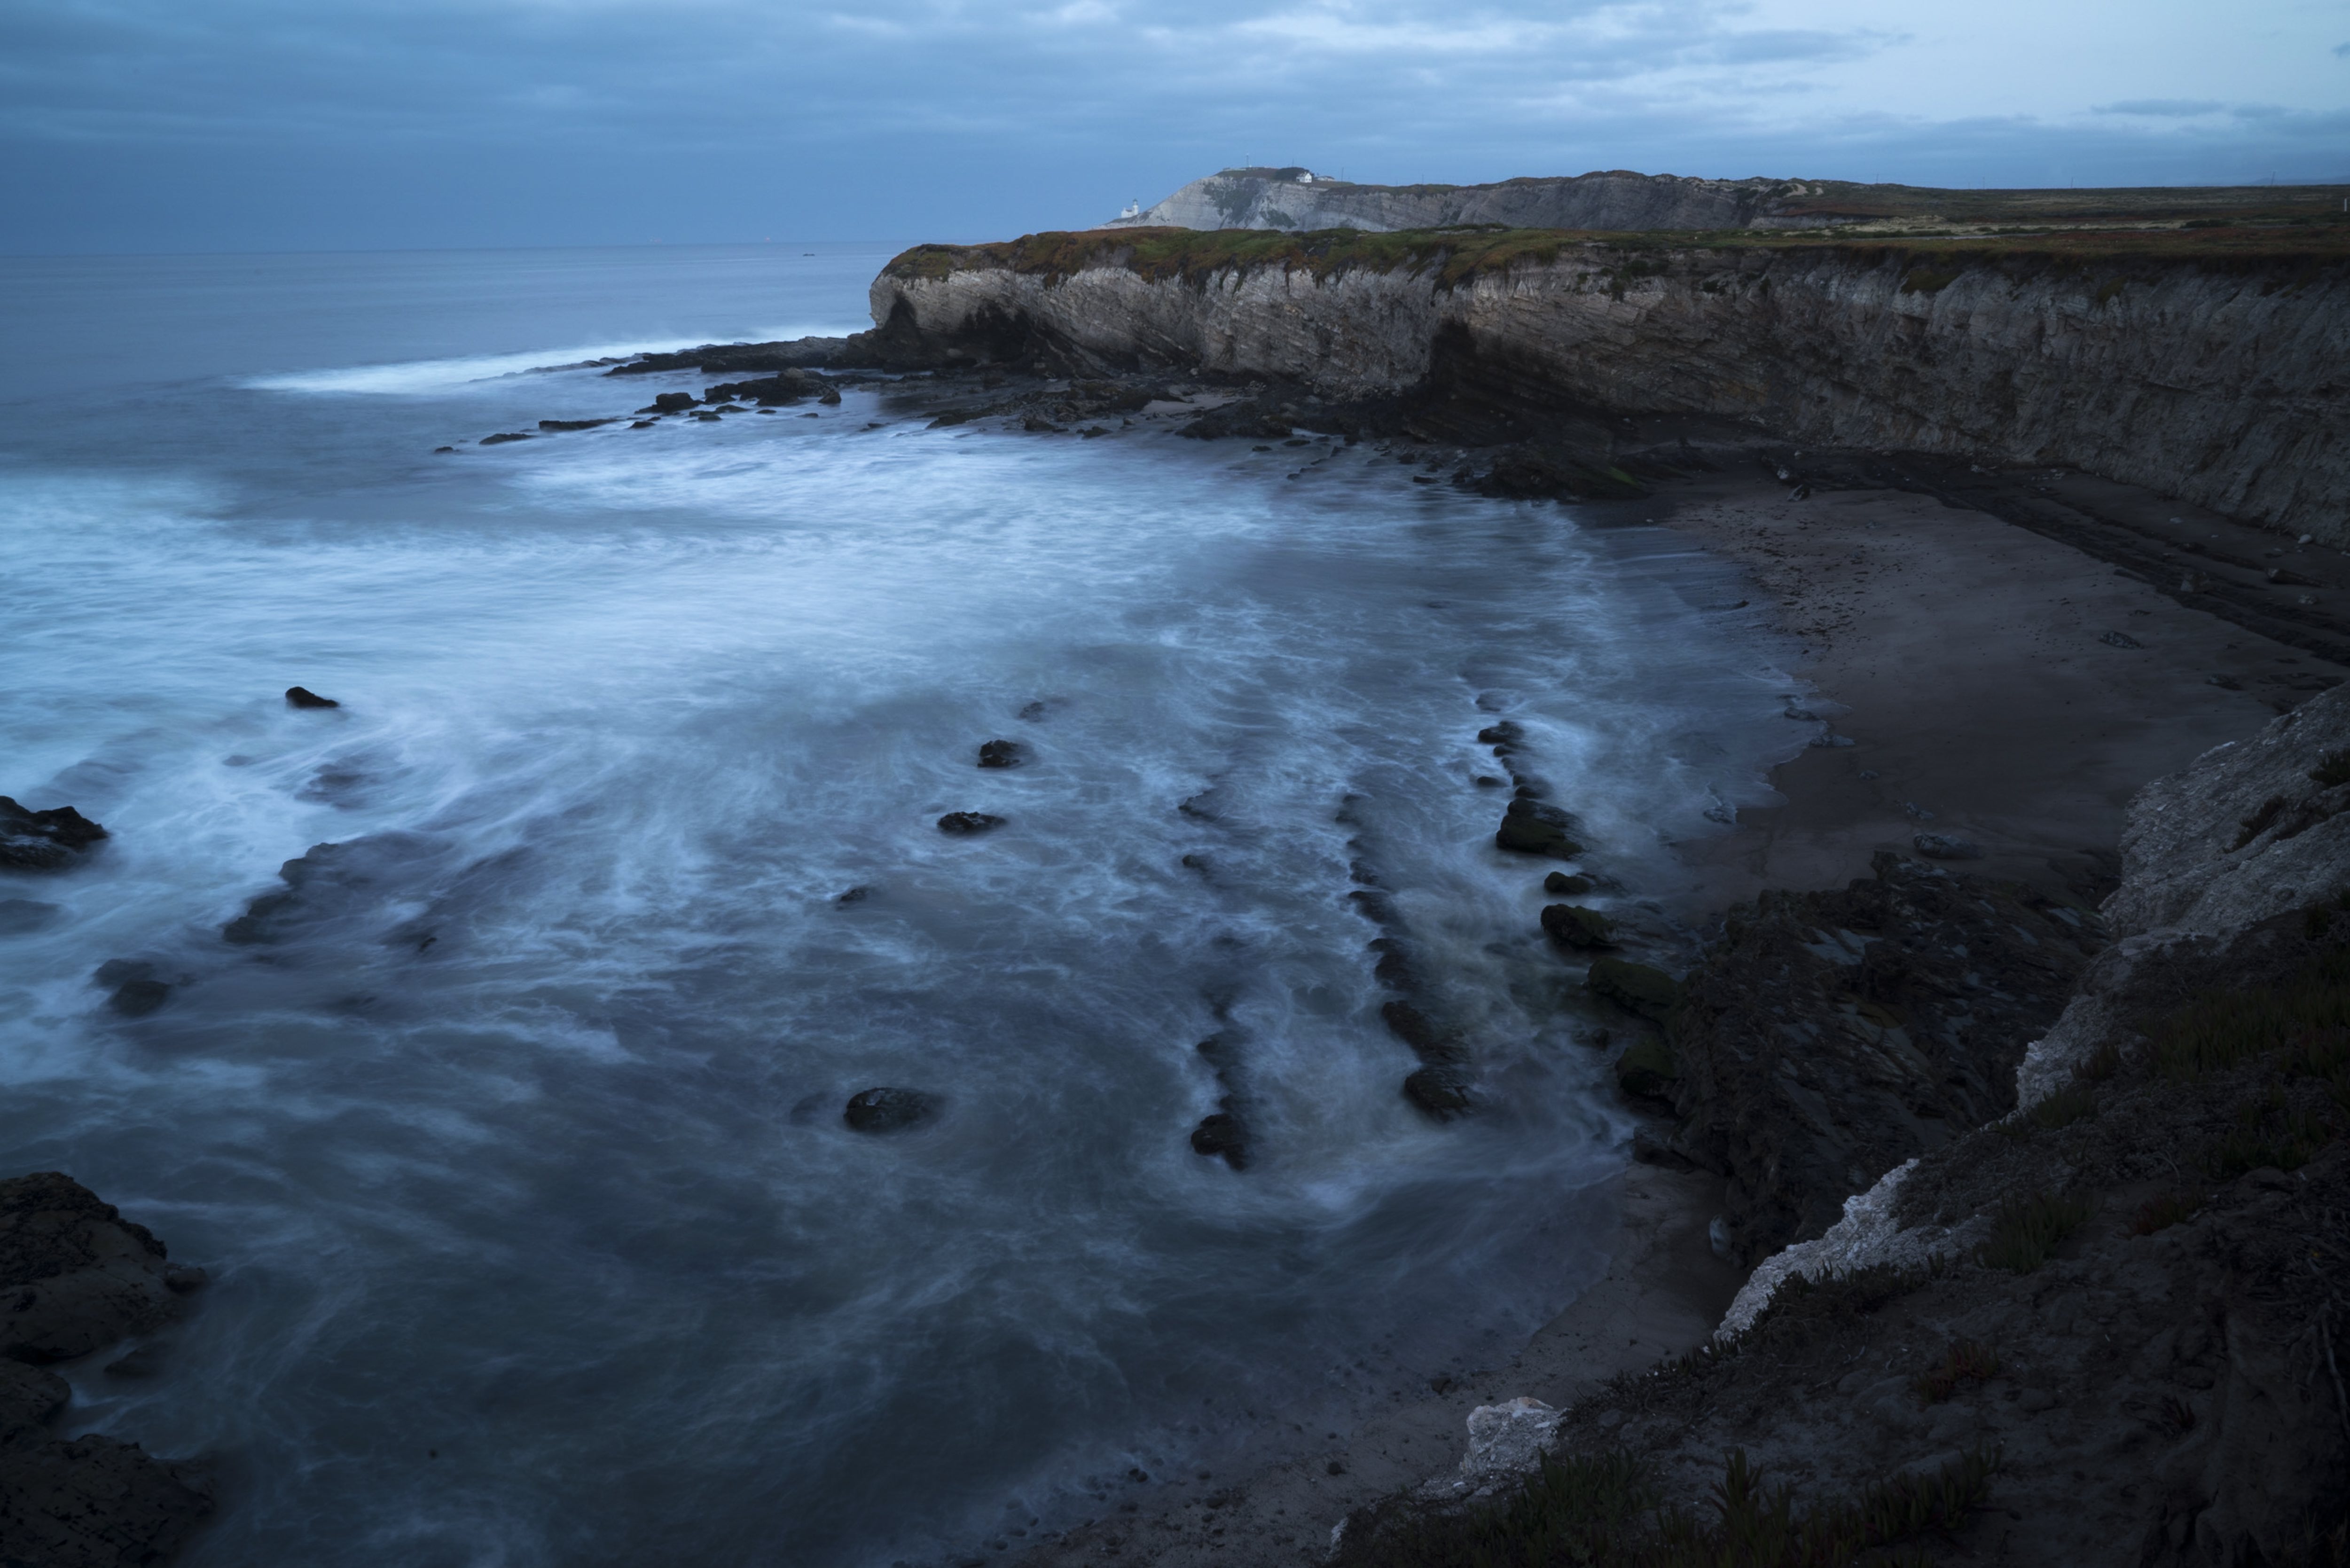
x,y
156,124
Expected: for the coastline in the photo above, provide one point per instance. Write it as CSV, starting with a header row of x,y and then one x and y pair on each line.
x,y
2028,743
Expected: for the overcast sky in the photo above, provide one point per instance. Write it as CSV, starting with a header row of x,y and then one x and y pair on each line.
x,y
338,124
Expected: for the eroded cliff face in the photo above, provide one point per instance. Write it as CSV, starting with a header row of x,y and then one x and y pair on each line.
x,y
2221,380
1614,199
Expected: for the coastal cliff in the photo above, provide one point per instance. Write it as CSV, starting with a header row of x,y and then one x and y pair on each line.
x,y
2203,369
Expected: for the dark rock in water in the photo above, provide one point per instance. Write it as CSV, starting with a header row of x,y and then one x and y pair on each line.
x,y
1001,754
327,879
1246,417
144,1362
19,916
438,450
574,424
644,424
1035,711
1645,1071
965,822
888,1110
857,895
2120,639
504,436
1636,987
48,840
1502,737
1487,781
669,403
706,416
1938,846
1566,884
1442,1091
303,697
75,1274
138,998
1574,926
782,390
74,1277
1830,1036
1530,827
1222,1134
1415,1029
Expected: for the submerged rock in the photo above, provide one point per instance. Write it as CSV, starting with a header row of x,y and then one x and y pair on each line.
x,y
1566,884
1574,926
1440,1089
19,916
137,991
1002,754
303,697
48,840
968,822
1530,827
887,1110
504,436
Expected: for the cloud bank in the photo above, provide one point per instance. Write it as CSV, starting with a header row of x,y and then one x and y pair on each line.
x,y
264,124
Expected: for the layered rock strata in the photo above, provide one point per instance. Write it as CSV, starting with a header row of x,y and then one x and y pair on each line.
x,y
2212,377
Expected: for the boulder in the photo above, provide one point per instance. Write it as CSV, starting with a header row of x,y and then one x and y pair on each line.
x,y
1574,926
961,823
1222,1134
75,1275
1509,1438
48,840
1646,1071
1635,987
1530,827
504,436
1566,884
881,1110
1440,1089
669,403
1001,754
303,697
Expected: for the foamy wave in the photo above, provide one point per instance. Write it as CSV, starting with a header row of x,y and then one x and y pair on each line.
x,y
423,377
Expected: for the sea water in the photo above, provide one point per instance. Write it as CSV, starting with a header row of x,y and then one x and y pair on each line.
x,y
519,1166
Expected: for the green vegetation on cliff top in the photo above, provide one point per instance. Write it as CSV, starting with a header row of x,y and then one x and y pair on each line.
x,y
1458,254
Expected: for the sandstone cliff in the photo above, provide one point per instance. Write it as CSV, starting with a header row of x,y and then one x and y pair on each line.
x,y
2212,372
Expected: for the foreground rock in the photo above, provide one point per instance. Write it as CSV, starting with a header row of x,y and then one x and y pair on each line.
x,y
1830,1036
2107,1328
49,840
76,1277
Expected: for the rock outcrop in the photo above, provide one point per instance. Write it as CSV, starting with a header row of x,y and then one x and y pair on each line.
x,y
2210,375
49,840
2108,1327
1296,198
74,1277
1829,1037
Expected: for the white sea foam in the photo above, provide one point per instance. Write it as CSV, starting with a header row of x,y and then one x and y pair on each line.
x,y
434,377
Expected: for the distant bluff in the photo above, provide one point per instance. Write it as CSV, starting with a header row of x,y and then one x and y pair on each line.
x,y
1621,200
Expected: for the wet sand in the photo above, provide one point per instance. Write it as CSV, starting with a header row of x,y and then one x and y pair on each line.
x,y
1998,688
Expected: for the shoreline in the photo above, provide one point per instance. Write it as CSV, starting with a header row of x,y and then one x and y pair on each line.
x,y
2029,746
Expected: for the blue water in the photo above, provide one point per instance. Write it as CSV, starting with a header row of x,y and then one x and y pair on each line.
x,y
517,1159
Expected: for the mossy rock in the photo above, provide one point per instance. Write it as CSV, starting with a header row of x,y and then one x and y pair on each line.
x,y
1650,993
1646,1071
1567,885
1574,926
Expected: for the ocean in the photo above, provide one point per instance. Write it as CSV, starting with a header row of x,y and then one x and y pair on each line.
x,y
517,1152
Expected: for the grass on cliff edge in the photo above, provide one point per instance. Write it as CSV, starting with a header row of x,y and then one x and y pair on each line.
x,y
1456,255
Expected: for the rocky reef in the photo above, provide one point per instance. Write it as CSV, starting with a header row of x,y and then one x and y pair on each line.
x,y
76,1277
